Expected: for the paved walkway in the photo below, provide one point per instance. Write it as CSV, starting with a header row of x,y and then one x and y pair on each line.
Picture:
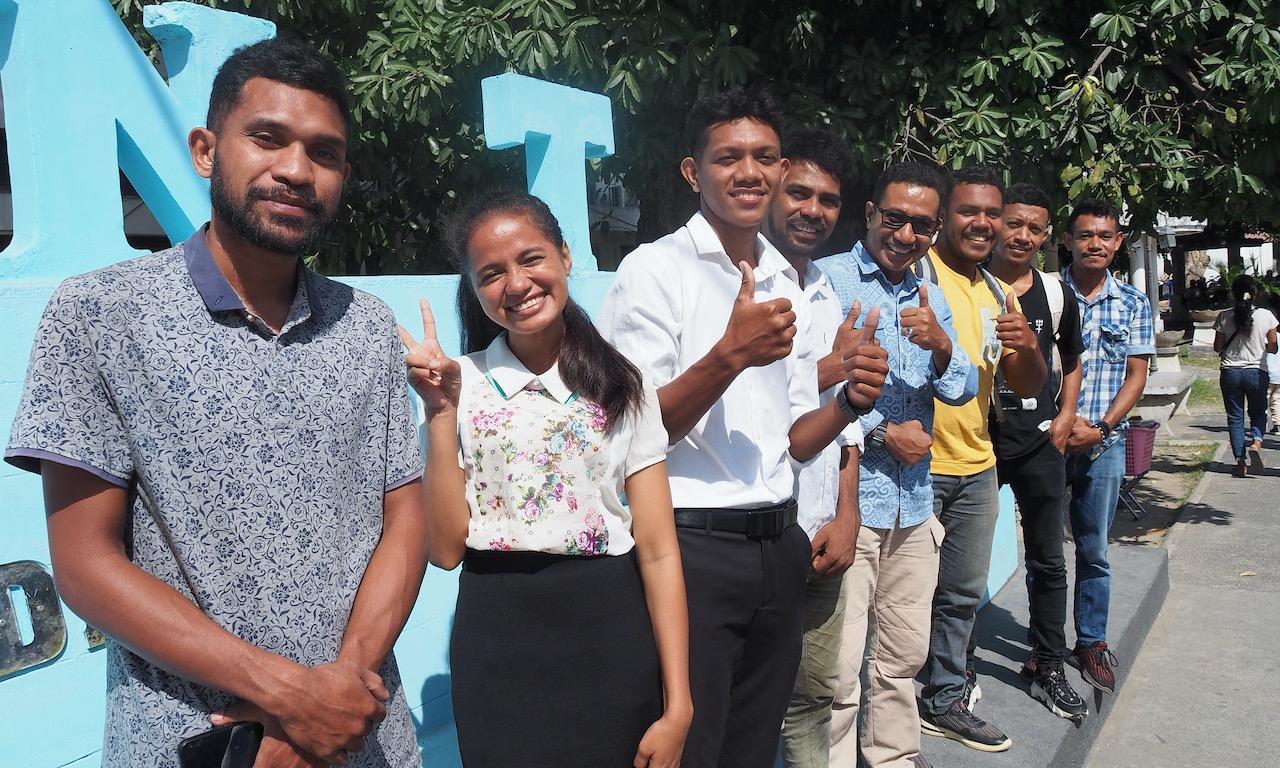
x,y
1202,690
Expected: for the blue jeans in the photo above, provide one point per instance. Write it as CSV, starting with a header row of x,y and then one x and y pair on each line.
x,y
1241,387
967,507
1095,489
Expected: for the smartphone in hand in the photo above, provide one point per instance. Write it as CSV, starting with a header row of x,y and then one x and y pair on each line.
x,y
234,745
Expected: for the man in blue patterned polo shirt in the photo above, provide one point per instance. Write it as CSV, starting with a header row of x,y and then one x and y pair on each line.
x,y
1115,323
889,588
229,456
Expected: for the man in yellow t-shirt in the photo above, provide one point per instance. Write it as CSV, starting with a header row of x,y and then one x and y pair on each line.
x,y
993,332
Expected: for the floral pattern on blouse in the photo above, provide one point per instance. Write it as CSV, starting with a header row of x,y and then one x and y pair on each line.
x,y
525,469
543,472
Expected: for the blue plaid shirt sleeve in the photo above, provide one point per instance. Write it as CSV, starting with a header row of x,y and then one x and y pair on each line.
x,y
1141,330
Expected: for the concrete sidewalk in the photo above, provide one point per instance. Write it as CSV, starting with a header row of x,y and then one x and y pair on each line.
x,y
1202,689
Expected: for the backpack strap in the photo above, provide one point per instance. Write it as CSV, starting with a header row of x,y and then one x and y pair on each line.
x,y
993,285
1057,301
925,270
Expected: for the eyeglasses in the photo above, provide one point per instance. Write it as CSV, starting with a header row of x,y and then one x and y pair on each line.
x,y
896,220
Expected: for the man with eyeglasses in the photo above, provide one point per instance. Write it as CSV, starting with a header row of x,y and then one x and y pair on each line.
x,y
996,336
889,588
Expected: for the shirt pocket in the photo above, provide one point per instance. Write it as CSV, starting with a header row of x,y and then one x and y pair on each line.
x,y
1115,342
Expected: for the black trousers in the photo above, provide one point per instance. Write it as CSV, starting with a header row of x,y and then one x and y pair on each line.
x,y
1038,480
746,625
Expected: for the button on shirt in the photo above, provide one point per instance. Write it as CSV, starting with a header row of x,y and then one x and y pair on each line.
x,y
818,483
543,475
668,306
1114,326
891,493
259,461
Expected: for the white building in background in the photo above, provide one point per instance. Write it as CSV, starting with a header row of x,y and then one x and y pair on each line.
x,y
1259,258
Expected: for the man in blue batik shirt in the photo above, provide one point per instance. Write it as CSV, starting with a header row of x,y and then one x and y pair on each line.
x,y
889,587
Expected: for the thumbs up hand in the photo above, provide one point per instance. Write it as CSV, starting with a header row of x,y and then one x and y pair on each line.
x,y
1012,328
865,362
920,326
757,333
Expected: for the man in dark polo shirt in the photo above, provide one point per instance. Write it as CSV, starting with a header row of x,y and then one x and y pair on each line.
x,y
230,463
1031,436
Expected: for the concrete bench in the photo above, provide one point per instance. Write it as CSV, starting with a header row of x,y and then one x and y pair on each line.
x,y
1165,394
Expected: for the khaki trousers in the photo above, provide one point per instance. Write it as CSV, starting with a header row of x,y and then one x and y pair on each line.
x,y
806,730
888,601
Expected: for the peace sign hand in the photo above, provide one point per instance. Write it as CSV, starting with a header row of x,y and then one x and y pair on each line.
x,y
435,377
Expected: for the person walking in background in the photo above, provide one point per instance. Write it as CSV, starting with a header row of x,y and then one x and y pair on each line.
x,y
1273,389
535,438
1243,337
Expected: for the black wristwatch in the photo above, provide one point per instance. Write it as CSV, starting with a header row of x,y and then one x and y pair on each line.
x,y
850,411
879,434
1102,427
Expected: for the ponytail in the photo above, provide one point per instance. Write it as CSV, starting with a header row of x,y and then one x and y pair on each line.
x,y
592,367
588,364
1245,289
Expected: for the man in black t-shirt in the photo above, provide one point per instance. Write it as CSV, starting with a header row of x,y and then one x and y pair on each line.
x,y
1030,435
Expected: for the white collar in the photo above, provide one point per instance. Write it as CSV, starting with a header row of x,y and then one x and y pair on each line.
x,y
506,371
769,261
816,282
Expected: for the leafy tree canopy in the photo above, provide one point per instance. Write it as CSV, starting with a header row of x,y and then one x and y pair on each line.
x,y
1160,104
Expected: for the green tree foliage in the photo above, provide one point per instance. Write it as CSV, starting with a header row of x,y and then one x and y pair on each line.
x,y
1161,104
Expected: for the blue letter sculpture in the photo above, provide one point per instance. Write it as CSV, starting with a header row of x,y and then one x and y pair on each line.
x,y
559,127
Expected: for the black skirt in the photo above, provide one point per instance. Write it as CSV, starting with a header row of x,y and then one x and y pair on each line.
x,y
554,662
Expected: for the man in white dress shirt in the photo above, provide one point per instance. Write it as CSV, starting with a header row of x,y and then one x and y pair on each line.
x,y
801,219
709,315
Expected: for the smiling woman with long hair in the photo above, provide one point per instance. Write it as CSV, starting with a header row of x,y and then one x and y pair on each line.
x,y
547,479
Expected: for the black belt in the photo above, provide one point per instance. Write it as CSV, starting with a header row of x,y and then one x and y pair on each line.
x,y
756,523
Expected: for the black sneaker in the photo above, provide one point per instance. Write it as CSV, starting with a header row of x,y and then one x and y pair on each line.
x,y
918,761
1050,687
960,724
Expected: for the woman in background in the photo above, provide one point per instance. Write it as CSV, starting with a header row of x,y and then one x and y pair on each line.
x,y
1244,335
547,479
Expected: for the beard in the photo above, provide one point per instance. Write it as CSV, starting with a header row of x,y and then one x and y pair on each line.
x,y
284,235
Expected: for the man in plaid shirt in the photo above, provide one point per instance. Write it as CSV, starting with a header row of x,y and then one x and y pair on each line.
x,y
1115,322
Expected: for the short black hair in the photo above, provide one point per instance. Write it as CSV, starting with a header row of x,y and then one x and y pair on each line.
x,y
281,60
1028,194
979,174
822,148
733,103
921,174
1092,206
